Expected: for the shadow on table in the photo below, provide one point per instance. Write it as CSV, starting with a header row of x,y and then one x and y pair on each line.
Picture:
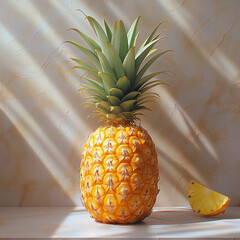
x,y
166,217
182,223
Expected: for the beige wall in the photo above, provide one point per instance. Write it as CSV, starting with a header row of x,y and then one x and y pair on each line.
x,y
195,124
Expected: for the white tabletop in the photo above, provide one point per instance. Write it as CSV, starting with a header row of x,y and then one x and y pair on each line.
x,y
32,222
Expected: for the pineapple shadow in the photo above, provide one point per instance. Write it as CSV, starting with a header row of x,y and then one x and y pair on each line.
x,y
188,151
163,222
182,219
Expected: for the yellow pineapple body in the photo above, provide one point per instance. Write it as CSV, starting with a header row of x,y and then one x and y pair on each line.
x,y
119,173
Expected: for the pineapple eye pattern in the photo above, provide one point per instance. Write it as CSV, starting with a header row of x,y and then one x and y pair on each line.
x,y
120,173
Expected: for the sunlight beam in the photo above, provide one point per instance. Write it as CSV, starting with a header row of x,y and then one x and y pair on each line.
x,y
30,129
32,132
43,82
218,60
55,39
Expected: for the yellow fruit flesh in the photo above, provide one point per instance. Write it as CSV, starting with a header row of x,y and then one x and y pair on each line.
x,y
205,201
119,173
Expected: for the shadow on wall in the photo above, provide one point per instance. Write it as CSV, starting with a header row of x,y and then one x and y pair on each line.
x,y
206,101
181,222
25,181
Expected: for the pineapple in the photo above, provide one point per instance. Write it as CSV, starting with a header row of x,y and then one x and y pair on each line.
x,y
119,166
205,201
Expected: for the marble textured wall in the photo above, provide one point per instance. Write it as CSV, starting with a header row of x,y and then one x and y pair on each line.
x,y
195,124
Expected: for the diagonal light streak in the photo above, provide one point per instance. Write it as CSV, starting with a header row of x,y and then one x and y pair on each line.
x,y
29,128
43,148
216,58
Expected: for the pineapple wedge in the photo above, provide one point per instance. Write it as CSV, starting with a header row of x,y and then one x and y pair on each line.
x,y
205,201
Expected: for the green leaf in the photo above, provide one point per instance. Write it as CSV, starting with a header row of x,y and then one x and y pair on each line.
x,y
100,33
116,109
108,30
92,81
130,96
150,36
152,82
98,112
137,108
121,43
101,93
103,104
145,79
140,56
98,98
91,56
128,105
114,34
82,63
101,110
105,65
148,64
116,92
89,70
152,51
135,40
112,116
123,84
107,81
140,51
148,95
153,94
115,61
129,64
137,114
131,35
114,101
88,105
145,101
158,36
151,86
91,43
127,115
91,102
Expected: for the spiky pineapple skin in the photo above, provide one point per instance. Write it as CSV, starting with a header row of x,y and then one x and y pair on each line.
x,y
119,173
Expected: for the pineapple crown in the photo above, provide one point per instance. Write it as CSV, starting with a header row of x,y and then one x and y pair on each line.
x,y
118,87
